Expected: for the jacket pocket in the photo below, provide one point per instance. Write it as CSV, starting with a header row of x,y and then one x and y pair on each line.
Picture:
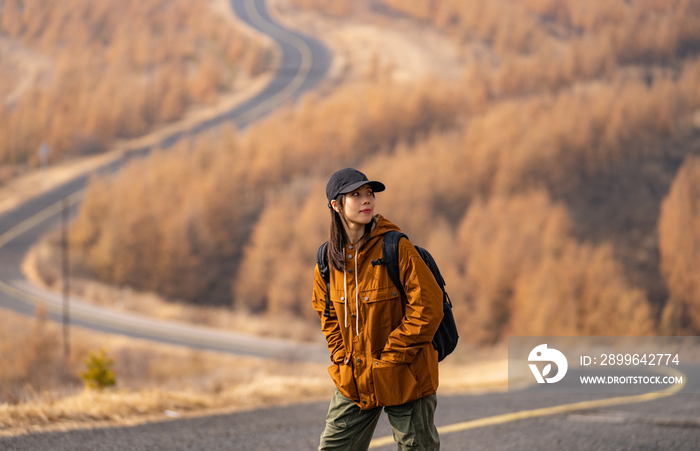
x,y
344,380
383,312
394,384
425,367
381,294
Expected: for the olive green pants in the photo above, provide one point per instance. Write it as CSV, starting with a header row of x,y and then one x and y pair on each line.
x,y
349,428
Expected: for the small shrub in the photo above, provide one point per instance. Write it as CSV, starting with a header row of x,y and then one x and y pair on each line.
x,y
98,373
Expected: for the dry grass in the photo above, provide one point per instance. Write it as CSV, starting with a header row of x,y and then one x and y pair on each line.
x,y
157,381
117,407
151,378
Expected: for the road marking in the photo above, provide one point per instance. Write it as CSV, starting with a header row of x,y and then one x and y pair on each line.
x,y
525,414
39,217
304,68
158,331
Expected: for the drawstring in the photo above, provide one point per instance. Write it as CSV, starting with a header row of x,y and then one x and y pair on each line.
x,y
357,298
345,286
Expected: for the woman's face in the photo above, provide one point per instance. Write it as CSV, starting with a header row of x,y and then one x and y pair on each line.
x,y
359,205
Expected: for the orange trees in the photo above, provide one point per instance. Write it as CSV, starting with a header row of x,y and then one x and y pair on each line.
x,y
479,171
679,243
118,67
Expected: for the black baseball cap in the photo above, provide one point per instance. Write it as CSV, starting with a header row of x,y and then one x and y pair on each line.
x,y
348,180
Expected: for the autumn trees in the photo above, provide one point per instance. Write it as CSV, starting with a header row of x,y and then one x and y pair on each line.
x,y
116,69
211,193
679,243
479,171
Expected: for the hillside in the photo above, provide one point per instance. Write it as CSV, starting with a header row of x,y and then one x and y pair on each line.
x,y
555,177
77,75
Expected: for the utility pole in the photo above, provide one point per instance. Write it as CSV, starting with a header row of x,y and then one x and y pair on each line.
x,y
66,277
44,151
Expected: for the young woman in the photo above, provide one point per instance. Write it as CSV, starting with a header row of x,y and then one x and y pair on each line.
x,y
379,341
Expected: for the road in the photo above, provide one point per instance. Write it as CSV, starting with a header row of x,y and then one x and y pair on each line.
x,y
303,64
665,424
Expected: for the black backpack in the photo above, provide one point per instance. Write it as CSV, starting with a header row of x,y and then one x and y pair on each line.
x,y
445,339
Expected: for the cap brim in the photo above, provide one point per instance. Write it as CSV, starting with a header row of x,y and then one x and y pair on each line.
x,y
376,187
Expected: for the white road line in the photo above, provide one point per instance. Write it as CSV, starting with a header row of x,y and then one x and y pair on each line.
x,y
304,68
39,217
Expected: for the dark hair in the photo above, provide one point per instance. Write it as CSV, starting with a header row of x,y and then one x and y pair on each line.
x,y
338,237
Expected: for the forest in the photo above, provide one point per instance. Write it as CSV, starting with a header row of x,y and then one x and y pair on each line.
x,y
557,183
78,74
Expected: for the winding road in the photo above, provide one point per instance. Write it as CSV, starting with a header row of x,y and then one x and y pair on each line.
x,y
303,64
503,421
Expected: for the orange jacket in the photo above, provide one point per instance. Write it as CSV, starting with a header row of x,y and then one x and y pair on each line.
x,y
380,343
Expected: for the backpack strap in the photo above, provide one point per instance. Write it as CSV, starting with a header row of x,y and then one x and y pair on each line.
x,y
322,262
446,336
390,257
428,259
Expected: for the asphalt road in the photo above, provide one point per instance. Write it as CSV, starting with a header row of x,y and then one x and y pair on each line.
x,y
666,424
304,62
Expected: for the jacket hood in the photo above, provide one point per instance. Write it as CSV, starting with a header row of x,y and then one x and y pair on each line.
x,y
380,226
